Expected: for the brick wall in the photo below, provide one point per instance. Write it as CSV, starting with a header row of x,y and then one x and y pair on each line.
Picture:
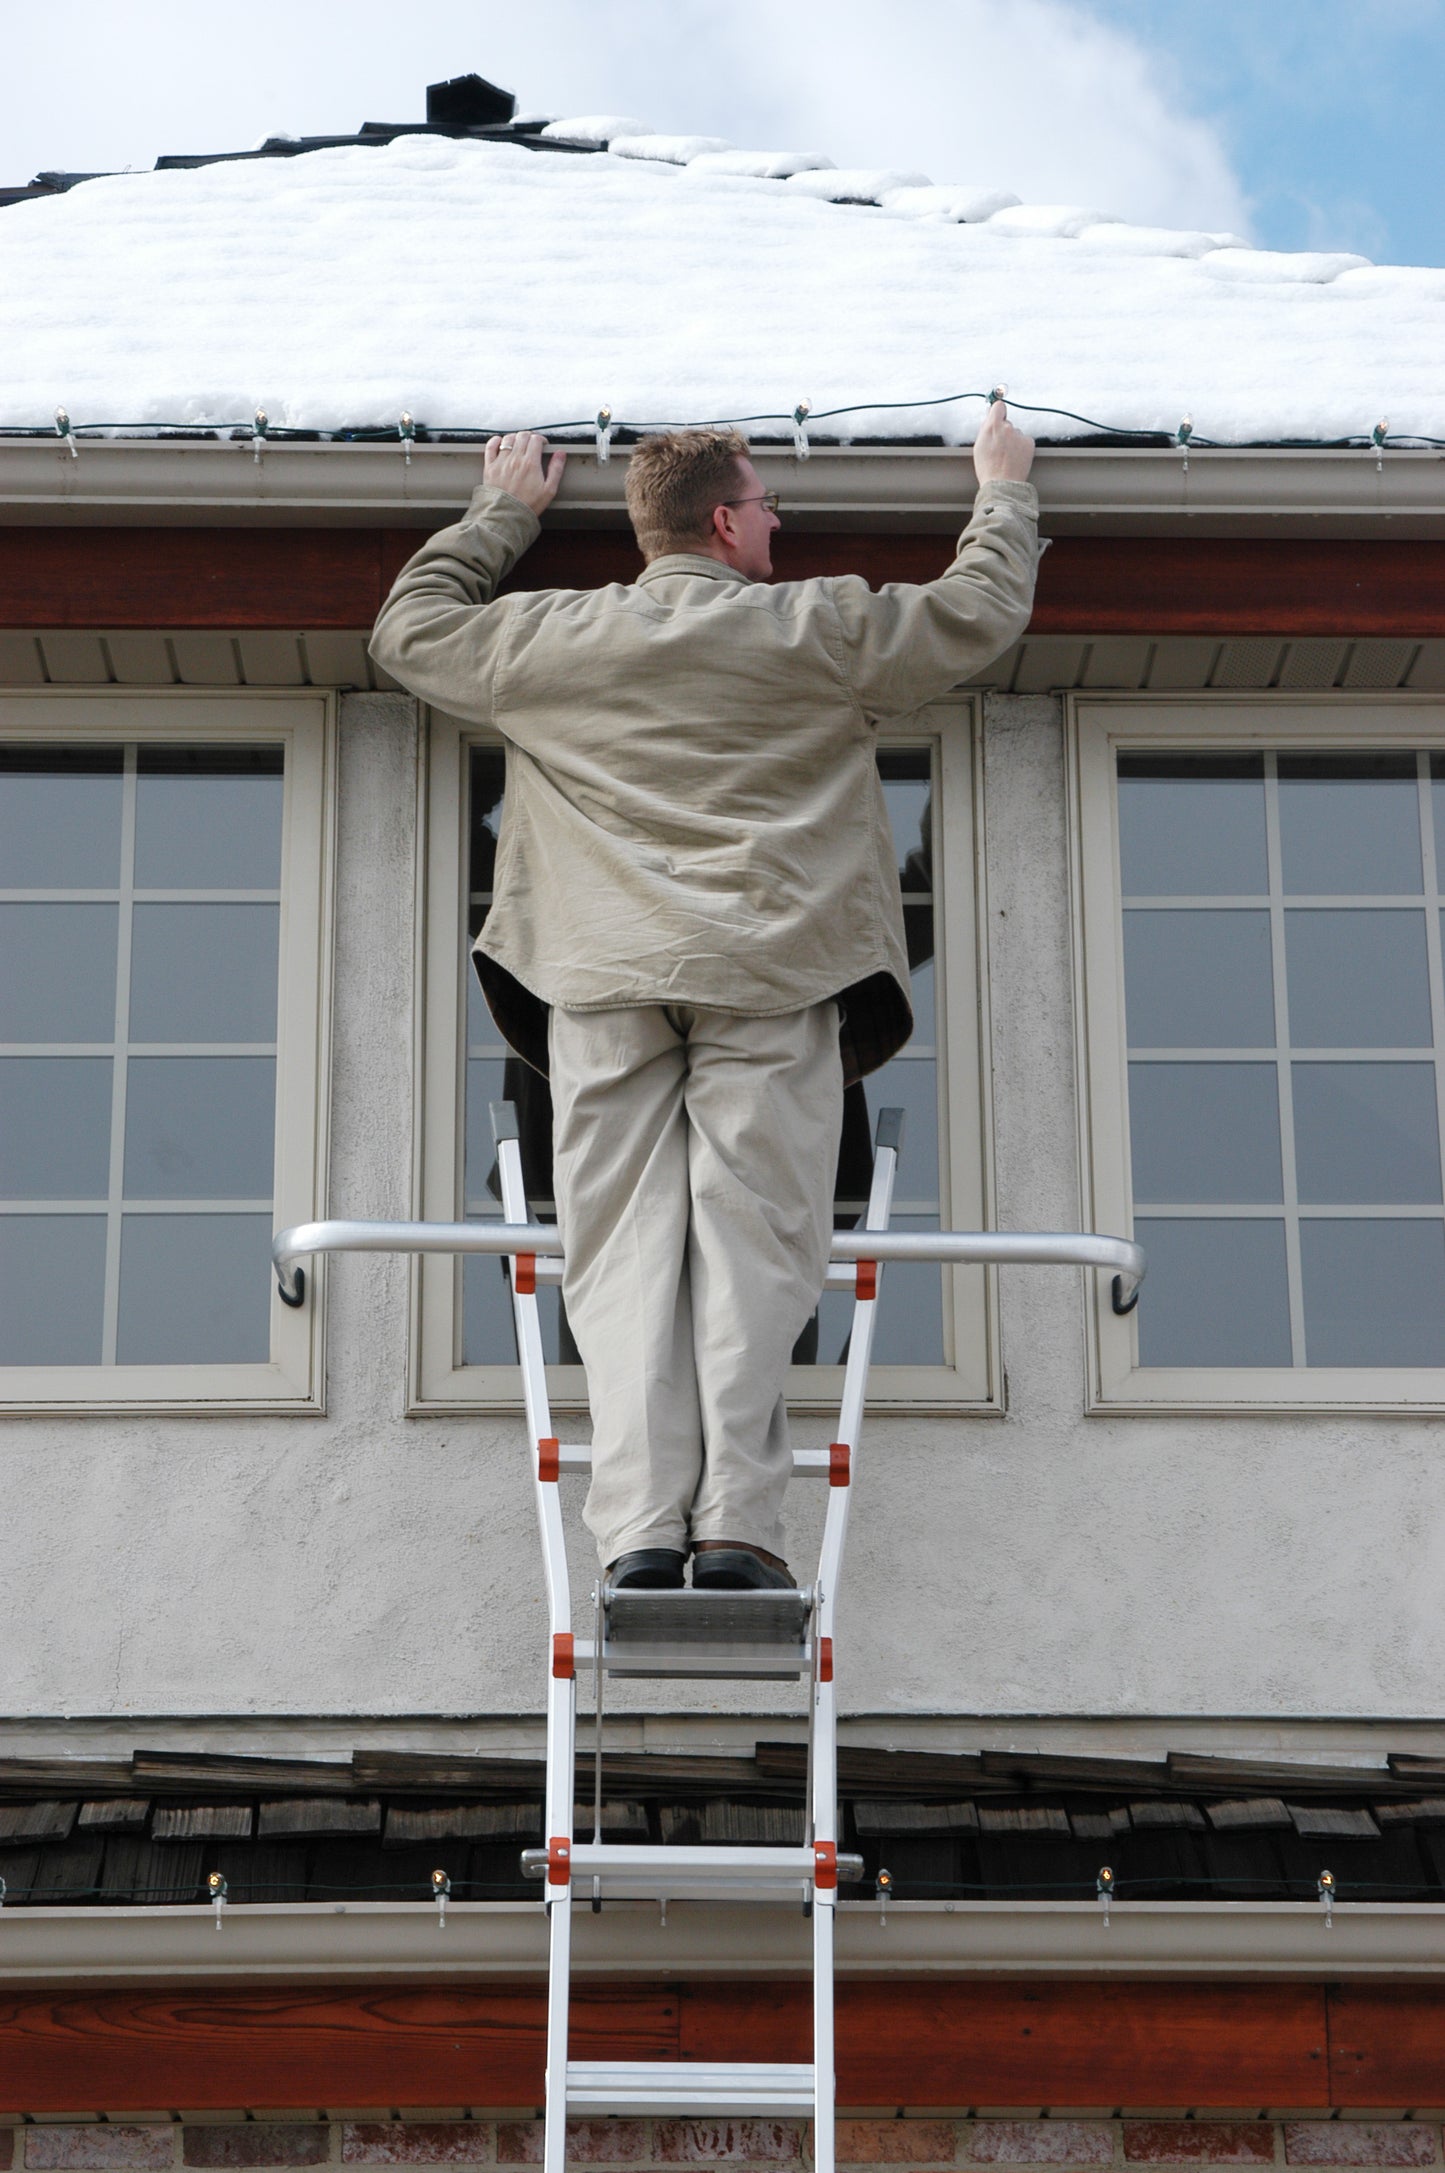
x,y
1050,2146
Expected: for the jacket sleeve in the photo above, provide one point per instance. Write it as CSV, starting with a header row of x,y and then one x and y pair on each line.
x,y
905,644
439,632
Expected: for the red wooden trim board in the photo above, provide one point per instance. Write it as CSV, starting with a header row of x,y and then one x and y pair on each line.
x,y
317,578
914,2042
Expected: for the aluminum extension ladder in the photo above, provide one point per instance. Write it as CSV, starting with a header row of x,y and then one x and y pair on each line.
x,y
771,1635
766,1635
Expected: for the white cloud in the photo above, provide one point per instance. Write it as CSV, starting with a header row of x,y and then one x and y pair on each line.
x,y
1038,96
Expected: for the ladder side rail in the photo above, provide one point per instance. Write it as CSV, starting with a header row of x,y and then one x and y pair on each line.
x,y
561,1687
535,1400
559,1987
823,1695
823,1709
824,2084
855,1386
561,1675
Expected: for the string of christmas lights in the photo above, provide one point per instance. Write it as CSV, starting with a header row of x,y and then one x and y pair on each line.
x,y
605,427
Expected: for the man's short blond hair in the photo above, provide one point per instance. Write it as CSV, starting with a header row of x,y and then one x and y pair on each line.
x,y
674,482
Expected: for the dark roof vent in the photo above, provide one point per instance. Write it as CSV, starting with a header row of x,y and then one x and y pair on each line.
x,y
468,101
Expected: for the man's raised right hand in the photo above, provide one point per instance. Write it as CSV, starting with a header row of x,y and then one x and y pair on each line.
x,y
513,462
1001,454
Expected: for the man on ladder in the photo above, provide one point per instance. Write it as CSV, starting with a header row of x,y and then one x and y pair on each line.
x,y
697,931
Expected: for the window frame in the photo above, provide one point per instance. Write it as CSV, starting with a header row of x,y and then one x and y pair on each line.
x,y
970,1382
304,724
1100,728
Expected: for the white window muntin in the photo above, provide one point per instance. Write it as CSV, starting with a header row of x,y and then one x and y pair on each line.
x,y
303,728
970,1370
1102,731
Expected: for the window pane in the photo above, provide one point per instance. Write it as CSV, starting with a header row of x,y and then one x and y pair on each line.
x,y
1202,1133
482,1191
1437,802
1366,1133
910,1306
1217,1292
1198,980
60,818
204,972
488,778
908,795
1374,1291
910,1084
194,1290
208,818
925,1025
52,1289
57,972
1357,980
482,1031
909,1329
1192,826
488,1336
1349,823
54,1127
200,1128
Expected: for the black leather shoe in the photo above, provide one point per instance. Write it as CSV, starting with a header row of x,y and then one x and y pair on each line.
x,y
648,1569
737,1569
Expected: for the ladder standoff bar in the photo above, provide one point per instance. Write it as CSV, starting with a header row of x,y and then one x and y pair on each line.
x,y
972,1248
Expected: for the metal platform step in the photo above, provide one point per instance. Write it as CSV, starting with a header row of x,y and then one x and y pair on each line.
x,y
687,2086
744,1636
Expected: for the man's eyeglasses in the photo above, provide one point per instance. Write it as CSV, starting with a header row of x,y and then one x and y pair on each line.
x,y
768,498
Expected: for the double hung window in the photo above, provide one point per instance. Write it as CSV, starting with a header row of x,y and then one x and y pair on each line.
x,y
160,956
934,1335
1263,976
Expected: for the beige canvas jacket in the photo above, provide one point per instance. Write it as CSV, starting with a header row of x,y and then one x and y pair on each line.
x,y
693,812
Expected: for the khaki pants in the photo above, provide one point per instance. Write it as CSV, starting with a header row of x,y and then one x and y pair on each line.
x,y
695,1153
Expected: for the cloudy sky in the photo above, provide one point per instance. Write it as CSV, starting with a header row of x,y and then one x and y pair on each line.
x,y
1297,123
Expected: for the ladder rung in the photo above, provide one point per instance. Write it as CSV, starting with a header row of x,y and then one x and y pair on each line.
x,y
687,2086
718,1664
672,1864
576,1456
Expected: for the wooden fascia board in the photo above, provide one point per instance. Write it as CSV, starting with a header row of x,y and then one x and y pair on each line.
x,y
240,579
911,2043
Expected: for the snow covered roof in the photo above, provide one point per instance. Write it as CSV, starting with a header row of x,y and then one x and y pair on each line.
x,y
474,282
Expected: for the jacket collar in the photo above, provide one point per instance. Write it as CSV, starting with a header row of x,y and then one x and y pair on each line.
x,y
690,562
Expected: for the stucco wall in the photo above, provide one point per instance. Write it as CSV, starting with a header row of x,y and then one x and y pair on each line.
x,y
368,1564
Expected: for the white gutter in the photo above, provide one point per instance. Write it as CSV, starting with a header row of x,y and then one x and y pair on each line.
x,y
361,1941
876,487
